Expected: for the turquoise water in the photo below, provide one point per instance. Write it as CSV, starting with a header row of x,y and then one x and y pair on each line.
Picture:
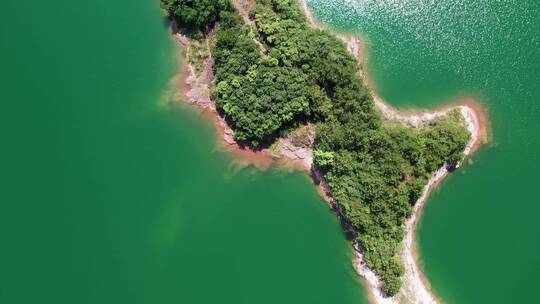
x,y
479,235
109,196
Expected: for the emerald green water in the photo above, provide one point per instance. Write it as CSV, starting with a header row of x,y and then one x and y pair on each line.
x,y
108,196
479,235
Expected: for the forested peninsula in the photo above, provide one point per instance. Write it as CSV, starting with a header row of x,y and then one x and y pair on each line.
x,y
277,81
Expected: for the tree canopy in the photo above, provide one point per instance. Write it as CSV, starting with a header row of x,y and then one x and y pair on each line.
x,y
193,16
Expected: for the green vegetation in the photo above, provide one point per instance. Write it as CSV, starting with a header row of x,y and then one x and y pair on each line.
x,y
193,17
197,54
377,174
302,75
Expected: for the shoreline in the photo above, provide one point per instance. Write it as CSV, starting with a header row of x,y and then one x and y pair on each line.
x,y
416,287
195,90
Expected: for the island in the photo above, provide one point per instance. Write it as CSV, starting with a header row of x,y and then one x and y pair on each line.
x,y
280,86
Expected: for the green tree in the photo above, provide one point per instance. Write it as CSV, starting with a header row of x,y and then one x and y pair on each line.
x,y
193,16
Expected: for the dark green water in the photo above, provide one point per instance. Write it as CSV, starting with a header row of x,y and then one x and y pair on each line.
x,y
480,233
107,196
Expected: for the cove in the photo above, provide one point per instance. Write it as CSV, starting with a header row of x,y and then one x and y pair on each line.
x,y
110,196
478,235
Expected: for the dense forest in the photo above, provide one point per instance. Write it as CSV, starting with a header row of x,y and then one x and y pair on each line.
x,y
278,73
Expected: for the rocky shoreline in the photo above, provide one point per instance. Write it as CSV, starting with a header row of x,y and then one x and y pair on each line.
x,y
288,152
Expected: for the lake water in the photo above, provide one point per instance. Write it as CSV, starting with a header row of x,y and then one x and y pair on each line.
x,y
480,234
109,196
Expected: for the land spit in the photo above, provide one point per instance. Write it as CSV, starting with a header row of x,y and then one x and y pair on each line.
x,y
289,153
